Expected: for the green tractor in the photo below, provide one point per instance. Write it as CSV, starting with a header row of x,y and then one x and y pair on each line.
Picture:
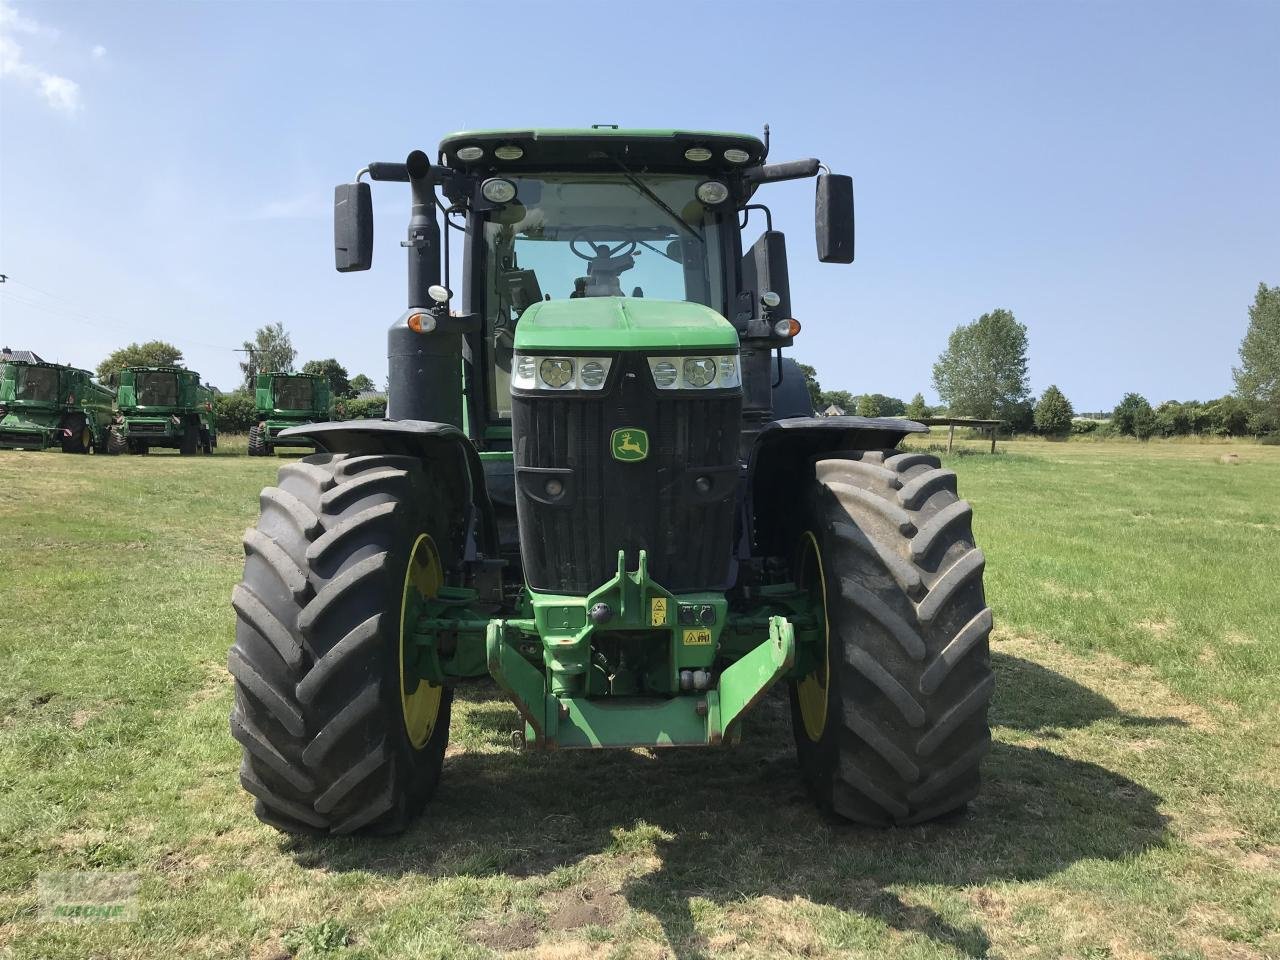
x,y
600,484
162,407
286,400
43,404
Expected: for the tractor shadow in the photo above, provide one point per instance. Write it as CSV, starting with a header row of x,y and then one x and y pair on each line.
x,y
736,824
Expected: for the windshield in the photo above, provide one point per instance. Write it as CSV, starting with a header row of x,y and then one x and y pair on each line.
x,y
37,385
293,393
594,235
152,388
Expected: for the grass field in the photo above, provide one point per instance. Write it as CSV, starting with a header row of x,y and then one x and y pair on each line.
x,y
1131,808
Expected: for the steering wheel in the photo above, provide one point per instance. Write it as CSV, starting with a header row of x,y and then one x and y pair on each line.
x,y
600,251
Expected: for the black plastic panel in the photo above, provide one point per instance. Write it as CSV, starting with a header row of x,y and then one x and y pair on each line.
x,y
569,543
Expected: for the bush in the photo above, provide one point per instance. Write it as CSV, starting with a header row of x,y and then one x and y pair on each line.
x,y
1082,428
234,412
1134,417
362,408
1053,413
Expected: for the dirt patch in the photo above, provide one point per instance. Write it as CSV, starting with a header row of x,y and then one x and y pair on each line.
x,y
1234,846
520,933
1157,628
272,949
584,905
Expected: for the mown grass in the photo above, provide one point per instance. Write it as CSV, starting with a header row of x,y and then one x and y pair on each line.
x,y
1132,804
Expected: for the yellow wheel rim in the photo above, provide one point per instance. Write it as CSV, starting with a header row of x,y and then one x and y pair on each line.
x,y
422,580
813,689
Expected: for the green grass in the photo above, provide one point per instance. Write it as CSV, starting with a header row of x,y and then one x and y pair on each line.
x,y
1131,809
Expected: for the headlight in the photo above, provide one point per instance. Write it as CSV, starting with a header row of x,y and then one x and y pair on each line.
x,y
734,155
497,190
556,372
525,371
696,373
469,153
712,192
664,374
700,371
508,151
559,373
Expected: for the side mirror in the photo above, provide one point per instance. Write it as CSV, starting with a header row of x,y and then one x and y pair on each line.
x,y
833,218
352,227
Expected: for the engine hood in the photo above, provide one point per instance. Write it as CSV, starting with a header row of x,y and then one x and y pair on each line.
x,y
608,324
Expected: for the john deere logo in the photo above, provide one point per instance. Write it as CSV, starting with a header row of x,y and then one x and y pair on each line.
x,y
629,444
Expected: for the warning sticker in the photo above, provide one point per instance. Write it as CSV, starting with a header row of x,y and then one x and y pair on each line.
x,y
657,611
697,638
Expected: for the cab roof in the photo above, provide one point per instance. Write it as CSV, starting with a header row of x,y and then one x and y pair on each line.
x,y
592,148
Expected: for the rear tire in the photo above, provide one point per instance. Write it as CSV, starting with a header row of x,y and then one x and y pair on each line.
x,y
892,729
316,660
116,443
81,439
256,445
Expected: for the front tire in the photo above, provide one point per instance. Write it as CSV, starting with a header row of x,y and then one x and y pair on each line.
x,y
257,446
892,725
329,743
190,443
116,443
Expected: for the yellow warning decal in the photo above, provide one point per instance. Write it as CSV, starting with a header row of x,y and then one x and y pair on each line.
x,y
697,638
657,611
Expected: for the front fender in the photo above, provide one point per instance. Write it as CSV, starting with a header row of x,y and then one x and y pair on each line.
x,y
781,464
438,444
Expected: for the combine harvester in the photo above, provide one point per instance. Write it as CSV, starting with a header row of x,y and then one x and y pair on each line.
x,y
43,404
287,400
593,485
162,407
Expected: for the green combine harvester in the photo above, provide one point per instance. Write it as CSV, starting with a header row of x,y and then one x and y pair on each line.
x,y
286,400
600,484
162,407
48,404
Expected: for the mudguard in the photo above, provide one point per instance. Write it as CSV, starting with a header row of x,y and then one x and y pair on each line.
x,y
438,443
781,463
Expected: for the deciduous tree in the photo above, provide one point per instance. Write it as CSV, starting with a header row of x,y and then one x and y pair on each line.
x,y
271,350
153,353
334,372
1258,376
983,371
1053,413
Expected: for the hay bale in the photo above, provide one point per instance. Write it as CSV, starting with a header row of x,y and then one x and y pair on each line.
x,y
1229,458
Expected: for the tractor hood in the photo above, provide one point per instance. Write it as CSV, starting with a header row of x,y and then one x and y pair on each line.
x,y
608,324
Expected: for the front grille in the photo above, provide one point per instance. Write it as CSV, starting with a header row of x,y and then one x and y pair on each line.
x,y
570,544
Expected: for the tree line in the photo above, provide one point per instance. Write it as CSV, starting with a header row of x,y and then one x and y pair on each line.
x,y
270,351
983,373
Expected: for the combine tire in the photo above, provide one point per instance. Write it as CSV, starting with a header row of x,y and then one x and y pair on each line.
x,y
81,439
331,744
257,446
206,444
890,729
116,443
190,440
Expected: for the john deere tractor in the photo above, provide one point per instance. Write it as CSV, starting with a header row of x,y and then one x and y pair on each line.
x,y
600,484
286,400
162,407
48,404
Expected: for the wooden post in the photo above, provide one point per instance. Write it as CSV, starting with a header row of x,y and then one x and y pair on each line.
x,y
993,439
951,436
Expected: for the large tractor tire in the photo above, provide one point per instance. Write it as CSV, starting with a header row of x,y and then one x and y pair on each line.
x,y
891,726
116,443
331,743
190,443
257,445
81,438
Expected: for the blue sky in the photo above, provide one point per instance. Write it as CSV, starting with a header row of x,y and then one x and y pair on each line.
x,y
1109,172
